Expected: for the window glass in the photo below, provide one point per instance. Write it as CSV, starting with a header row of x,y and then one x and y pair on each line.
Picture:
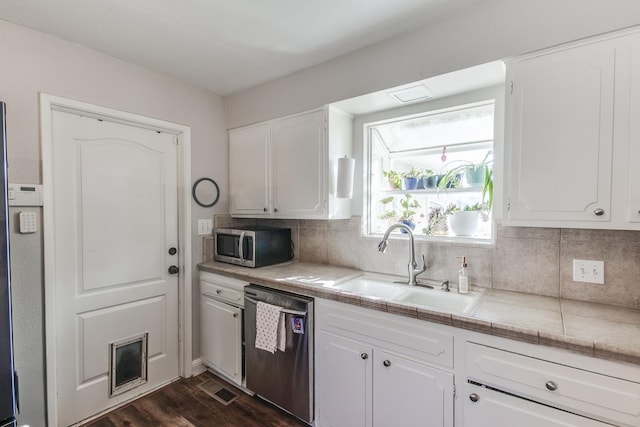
x,y
434,173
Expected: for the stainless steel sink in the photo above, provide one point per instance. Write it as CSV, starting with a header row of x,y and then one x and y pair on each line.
x,y
385,287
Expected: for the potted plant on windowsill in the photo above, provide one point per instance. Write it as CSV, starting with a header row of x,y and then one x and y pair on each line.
x,y
409,209
475,175
426,179
394,178
437,220
410,178
463,222
389,215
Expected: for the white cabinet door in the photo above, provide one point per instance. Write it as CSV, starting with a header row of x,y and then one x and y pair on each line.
x,y
249,170
299,150
343,382
559,138
488,408
221,335
407,393
632,126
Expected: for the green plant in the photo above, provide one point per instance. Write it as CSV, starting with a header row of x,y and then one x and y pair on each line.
x,y
394,178
436,219
412,173
409,205
426,174
388,214
476,207
482,169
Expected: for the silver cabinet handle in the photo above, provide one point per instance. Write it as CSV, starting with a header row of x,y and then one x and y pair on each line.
x,y
387,363
474,397
276,210
235,314
551,386
264,209
598,212
364,356
218,291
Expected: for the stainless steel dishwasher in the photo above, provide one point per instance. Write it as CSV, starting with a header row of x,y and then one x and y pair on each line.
x,y
283,378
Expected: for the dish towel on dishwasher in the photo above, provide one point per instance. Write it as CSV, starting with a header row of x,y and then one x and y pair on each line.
x,y
271,334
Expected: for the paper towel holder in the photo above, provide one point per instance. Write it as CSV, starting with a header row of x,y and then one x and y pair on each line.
x,y
344,181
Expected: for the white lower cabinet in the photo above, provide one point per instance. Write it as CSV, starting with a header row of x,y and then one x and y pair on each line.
x,y
379,380
221,340
343,381
533,389
409,393
485,407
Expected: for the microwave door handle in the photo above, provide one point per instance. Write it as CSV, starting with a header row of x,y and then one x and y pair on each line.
x,y
240,245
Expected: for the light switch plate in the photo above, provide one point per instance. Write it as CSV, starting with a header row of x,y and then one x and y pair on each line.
x,y
588,271
205,227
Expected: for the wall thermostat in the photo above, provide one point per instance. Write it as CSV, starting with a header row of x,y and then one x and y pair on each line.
x,y
25,194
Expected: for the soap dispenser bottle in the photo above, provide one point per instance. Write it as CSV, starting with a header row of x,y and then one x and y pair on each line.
x,y
463,278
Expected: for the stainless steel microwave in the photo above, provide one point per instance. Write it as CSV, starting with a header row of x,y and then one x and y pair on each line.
x,y
253,246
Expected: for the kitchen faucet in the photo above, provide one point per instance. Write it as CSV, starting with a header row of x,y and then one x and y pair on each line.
x,y
413,271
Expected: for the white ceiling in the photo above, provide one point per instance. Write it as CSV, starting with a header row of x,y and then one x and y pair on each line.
x,y
227,45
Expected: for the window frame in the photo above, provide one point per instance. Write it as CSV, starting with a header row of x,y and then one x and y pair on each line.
x,y
431,108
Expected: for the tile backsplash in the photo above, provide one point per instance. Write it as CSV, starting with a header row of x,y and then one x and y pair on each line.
x,y
523,259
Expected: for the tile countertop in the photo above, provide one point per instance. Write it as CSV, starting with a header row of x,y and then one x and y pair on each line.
x,y
596,330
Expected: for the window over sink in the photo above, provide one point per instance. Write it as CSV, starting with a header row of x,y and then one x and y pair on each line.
x,y
433,171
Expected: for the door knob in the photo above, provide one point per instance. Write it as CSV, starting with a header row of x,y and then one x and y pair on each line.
x,y
598,212
364,356
172,251
174,270
474,397
387,363
551,386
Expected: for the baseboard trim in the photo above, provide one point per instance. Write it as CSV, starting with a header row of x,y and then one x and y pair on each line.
x,y
197,367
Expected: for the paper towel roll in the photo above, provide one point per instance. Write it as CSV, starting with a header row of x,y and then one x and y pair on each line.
x,y
344,185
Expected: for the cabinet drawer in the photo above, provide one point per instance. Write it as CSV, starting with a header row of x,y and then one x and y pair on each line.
x,y
484,407
223,288
411,337
583,392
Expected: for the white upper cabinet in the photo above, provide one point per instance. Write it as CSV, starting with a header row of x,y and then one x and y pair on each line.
x,y
286,168
248,170
567,145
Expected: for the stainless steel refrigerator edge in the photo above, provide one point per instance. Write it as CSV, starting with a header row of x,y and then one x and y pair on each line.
x,y
7,374
283,378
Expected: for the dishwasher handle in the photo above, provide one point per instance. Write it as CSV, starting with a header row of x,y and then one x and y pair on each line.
x,y
284,310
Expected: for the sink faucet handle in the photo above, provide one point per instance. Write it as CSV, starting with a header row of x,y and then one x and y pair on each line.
x,y
423,268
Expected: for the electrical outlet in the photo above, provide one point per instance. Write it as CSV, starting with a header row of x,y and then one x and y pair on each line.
x,y
205,226
588,271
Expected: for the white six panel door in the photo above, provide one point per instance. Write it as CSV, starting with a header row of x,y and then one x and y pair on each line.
x,y
115,209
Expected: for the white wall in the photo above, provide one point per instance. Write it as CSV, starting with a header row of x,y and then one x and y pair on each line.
x,y
32,63
493,30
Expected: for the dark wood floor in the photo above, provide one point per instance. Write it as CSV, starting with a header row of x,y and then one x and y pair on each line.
x,y
184,404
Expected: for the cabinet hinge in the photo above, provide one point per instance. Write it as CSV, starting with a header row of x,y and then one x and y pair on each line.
x,y
508,203
175,140
455,391
511,86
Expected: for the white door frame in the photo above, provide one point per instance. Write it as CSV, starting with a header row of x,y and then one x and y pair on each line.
x,y
49,103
